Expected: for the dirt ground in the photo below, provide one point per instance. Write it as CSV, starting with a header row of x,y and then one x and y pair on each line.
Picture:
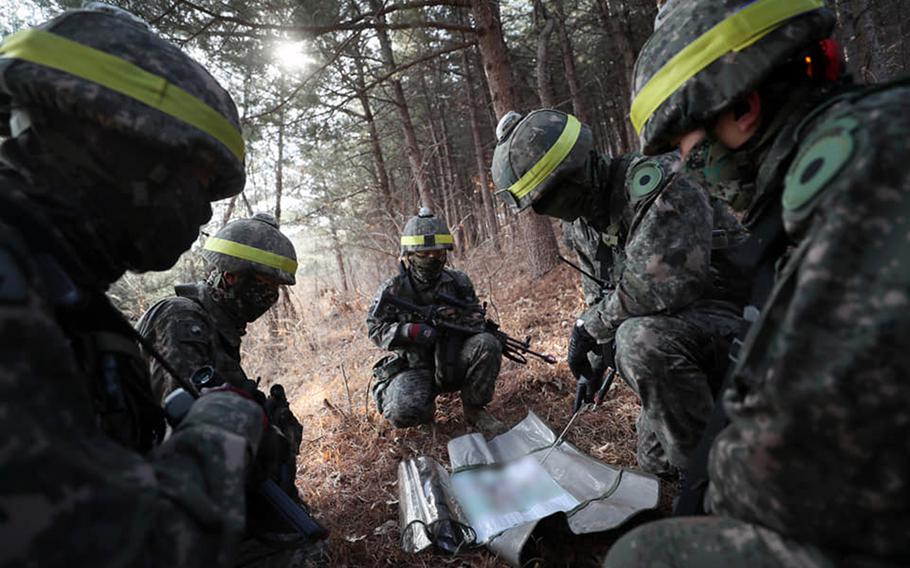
x,y
349,457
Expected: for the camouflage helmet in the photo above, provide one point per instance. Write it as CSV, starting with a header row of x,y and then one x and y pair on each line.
x,y
535,153
105,66
704,55
425,232
253,244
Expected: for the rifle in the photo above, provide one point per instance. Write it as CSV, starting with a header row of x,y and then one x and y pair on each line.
x,y
513,349
178,403
599,281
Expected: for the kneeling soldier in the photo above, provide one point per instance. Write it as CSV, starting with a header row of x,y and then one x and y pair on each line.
x,y
427,359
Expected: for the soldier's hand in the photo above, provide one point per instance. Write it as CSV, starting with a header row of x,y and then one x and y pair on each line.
x,y
584,392
447,313
420,333
273,451
580,344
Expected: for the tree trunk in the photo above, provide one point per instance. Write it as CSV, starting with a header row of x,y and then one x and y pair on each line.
x,y
538,233
279,170
544,81
415,156
232,204
495,56
382,174
339,257
479,158
616,24
568,64
436,154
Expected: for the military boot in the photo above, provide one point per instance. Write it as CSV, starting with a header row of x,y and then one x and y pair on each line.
x,y
481,420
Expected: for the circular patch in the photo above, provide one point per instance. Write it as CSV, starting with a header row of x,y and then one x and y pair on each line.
x,y
816,168
645,178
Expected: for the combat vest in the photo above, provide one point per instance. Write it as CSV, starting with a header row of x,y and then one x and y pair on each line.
x,y
223,343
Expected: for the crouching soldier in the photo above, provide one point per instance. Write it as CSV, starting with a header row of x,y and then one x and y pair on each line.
x,y
671,303
429,356
202,326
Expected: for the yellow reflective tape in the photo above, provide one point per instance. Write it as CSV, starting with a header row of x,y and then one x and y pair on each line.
x,y
735,33
421,240
550,161
51,50
252,254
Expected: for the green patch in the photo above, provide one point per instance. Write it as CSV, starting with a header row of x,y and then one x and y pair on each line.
x,y
646,177
823,159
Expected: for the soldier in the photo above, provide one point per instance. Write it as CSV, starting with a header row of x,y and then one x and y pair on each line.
x,y
813,469
249,261
427,361
669,307
114,143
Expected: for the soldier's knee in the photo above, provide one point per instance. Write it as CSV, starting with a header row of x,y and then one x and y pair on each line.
x,y
487,343
408,399
407,416
645,344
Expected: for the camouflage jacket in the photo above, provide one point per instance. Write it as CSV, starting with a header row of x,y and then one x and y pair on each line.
x,y
191,331
819,442
76,490
598,240
384,326
661,242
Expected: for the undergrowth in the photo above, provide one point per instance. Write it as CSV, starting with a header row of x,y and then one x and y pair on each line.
x,y
318,348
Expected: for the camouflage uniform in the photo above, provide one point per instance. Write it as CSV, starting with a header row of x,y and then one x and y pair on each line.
x,y
86,478
203,326
670,312
205,322
813,469
671,309
192,331
409,380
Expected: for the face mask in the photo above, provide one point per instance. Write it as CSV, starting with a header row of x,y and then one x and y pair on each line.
x,y
725,173
254,298
567,201
247,298
427,268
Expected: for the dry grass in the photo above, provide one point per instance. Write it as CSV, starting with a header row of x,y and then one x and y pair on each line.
x,y
347,470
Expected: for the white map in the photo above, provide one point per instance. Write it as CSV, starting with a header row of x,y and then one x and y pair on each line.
x,y
497,498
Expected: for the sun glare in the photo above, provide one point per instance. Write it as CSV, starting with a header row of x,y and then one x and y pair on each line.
x,y
291,55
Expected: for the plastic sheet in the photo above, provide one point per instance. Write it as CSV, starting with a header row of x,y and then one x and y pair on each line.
x,y
428,513
608,496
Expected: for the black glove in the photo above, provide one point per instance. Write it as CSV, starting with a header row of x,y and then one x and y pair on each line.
x,y
580,344
584,392
273,451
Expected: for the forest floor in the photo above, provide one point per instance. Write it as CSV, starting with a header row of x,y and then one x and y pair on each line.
x,y
347,469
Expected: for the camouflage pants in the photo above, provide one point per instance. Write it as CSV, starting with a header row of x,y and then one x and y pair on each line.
x,y
409,398
675,364
718,542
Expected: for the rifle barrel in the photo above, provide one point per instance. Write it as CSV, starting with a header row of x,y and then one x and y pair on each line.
x,y
600,282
